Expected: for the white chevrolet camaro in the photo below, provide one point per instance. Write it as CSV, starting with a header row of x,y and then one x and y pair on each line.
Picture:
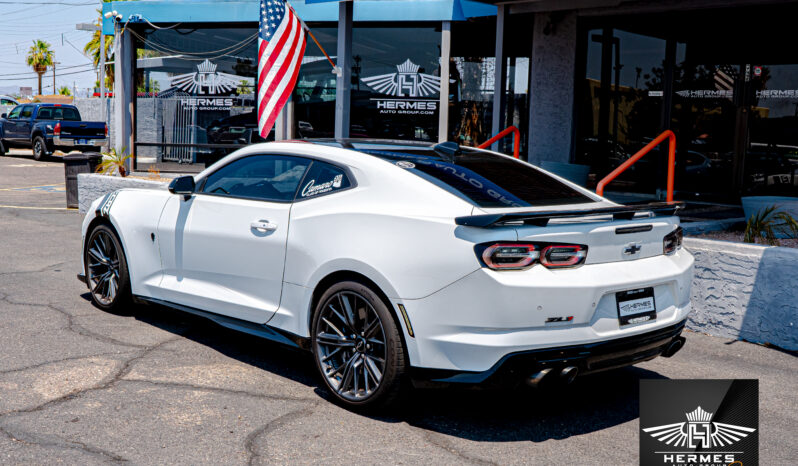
x,y
395,261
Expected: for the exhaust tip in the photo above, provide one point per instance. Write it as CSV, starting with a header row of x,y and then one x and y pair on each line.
x,y
535,379
568,374
673,347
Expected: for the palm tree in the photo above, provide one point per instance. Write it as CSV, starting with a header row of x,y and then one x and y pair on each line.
x,y
39,58
92,48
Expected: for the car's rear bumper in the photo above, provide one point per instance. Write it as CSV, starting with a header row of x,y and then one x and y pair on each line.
x,y
73,142
588,358
475,322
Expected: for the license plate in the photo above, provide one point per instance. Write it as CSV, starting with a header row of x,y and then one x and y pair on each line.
x,y
85,142
635,306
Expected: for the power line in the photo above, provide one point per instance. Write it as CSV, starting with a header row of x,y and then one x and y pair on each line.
x,y
62,68
34,77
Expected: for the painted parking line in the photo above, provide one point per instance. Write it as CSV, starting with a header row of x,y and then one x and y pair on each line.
x,y
32,207
48,188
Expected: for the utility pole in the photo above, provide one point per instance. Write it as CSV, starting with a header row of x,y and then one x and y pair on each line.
x,y
55,90
93,28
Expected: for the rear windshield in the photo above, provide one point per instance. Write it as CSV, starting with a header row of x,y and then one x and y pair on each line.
x,y
59,113
487,180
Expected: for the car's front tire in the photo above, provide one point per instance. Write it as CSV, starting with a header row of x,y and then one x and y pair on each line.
x,y
39,148
358,346
106,269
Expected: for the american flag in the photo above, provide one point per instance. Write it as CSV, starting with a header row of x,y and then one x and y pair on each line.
x,y
281,46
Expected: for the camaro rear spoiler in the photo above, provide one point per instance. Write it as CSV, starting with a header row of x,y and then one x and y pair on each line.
x,y
626,212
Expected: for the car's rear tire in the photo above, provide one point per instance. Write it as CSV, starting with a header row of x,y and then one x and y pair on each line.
x,y
39,148
106,270
358,347
2,149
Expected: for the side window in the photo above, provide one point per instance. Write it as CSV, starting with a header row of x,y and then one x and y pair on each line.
x,y
323,178
14,113
262,177
27,111
6,102
45,114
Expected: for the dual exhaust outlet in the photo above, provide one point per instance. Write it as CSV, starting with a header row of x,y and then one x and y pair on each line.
x,y
565,375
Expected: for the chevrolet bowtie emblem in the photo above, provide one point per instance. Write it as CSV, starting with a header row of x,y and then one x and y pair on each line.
x,y
632,249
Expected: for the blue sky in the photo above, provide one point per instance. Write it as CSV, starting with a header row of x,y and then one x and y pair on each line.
x,y
27,20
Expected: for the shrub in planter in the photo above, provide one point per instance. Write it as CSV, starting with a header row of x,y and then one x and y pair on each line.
x,y
769,224
113,162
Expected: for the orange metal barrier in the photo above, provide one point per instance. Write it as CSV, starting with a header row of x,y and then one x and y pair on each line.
x,y
668,134
505,132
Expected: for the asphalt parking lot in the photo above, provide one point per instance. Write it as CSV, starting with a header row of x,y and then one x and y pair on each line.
x,y
81,386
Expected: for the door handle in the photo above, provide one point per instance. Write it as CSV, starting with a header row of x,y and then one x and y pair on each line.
x,y
263,225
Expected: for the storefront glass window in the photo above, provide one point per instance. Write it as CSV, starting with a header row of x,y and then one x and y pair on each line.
x,y
620,107
195,93
395,82
314,96
471,81
771,160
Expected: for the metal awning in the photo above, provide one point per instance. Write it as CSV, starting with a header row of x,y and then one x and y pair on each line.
x,y
246,11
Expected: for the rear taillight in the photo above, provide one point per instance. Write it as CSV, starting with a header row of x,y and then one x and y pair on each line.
x,y
566,255
106,130
516,256
508,256
57,129
672,241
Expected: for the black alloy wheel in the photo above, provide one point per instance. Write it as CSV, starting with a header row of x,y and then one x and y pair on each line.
x,y
357,346
106,269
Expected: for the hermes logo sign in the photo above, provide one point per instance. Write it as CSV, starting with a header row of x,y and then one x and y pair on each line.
x,y
206,81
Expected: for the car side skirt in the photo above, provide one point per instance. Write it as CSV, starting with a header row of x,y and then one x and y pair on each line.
x,y
258,330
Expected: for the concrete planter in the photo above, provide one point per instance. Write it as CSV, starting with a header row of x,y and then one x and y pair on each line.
x,y
745,291
92,186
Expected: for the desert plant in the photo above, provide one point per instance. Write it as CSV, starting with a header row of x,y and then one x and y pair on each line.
x,y
763,226
64,90
113,162
788,223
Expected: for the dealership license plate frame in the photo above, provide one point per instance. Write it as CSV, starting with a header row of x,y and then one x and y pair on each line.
x,y
642,298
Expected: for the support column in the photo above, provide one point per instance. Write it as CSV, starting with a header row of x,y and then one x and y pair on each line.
x,y
284,126
551,87
499,75
443,103
343,83
123,90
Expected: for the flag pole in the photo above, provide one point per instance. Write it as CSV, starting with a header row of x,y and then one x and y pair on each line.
x,y
310,33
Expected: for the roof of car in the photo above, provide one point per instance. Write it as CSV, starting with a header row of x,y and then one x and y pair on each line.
x,y
352,143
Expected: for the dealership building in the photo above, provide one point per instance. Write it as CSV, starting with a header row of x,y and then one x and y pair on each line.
x,y
588,83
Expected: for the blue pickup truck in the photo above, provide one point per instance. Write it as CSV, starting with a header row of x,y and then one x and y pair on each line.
x,y
49,127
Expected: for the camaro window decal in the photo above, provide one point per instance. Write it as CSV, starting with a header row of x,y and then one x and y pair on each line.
x,y
313,189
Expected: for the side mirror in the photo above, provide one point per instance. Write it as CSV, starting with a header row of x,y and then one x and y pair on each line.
x,y
4,115
182,185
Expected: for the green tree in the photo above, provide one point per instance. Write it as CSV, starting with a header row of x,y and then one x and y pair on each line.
x,y
92,48
64,90
39,58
